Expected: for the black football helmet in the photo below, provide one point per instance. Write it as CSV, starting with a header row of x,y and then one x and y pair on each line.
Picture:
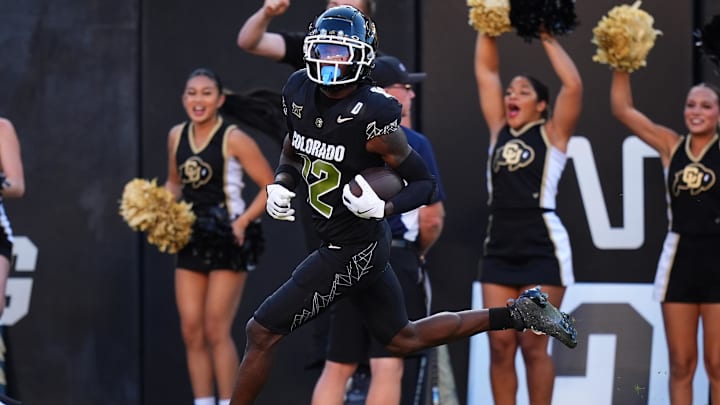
x,y
340,47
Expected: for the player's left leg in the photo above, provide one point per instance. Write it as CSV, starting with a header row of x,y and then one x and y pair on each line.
x,y
256,364
531,310
308,293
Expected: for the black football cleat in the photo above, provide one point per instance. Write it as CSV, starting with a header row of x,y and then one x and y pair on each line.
x,y
532,310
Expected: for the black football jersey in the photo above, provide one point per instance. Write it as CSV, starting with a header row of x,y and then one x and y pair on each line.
x,y
693,189
524,169
330,136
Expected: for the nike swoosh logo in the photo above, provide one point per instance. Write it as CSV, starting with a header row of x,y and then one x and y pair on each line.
x,y
365,212
341,119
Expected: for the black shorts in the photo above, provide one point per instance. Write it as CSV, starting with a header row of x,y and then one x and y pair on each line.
x,y
220,252
688,269
526,247
350,341
361,273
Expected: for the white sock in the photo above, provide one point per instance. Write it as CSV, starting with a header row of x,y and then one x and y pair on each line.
x,y
204,401
224,402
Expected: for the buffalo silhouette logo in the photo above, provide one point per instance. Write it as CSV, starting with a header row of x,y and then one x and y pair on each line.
x,y
195,172
694,178
515,154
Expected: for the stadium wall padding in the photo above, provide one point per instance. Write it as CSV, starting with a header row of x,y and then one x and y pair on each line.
x,y
93,89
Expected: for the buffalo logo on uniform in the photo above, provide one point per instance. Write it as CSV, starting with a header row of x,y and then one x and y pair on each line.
x,y
195,172
372,129
515,154
297,110
318,122
695,178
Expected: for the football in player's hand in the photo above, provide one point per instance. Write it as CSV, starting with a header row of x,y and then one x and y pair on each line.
x,y
384,181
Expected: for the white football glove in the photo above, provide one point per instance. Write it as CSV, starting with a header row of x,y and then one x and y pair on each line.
x,y
368,205
278,202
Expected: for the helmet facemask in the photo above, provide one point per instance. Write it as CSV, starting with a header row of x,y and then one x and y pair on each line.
x,y
340,47
336,60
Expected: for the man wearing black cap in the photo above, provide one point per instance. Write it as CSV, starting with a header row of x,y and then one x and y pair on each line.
x,y
393,381
393,76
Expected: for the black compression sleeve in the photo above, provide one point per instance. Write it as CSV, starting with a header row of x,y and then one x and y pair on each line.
x,y
287,176
421,185
500,319
293,49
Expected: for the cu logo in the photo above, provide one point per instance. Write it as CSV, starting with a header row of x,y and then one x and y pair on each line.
x,y
19,285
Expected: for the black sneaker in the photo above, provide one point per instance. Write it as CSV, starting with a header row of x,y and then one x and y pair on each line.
x,y
531,310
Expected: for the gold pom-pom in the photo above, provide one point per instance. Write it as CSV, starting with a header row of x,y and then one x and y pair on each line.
x,y
148,208
624,37
139,204
490,17
173,230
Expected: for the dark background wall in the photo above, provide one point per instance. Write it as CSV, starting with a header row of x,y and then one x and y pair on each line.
x,y
93,89
69,80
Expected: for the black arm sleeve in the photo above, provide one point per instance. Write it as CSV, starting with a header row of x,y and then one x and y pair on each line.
x,y
293,49
287,176
421,188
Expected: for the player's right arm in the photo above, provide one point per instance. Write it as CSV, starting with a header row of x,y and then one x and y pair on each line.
x,y
254,37
398,154
287,177
289,166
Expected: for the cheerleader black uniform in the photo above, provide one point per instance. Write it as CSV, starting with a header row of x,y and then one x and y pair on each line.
x,y
526,242
689,266
212,181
